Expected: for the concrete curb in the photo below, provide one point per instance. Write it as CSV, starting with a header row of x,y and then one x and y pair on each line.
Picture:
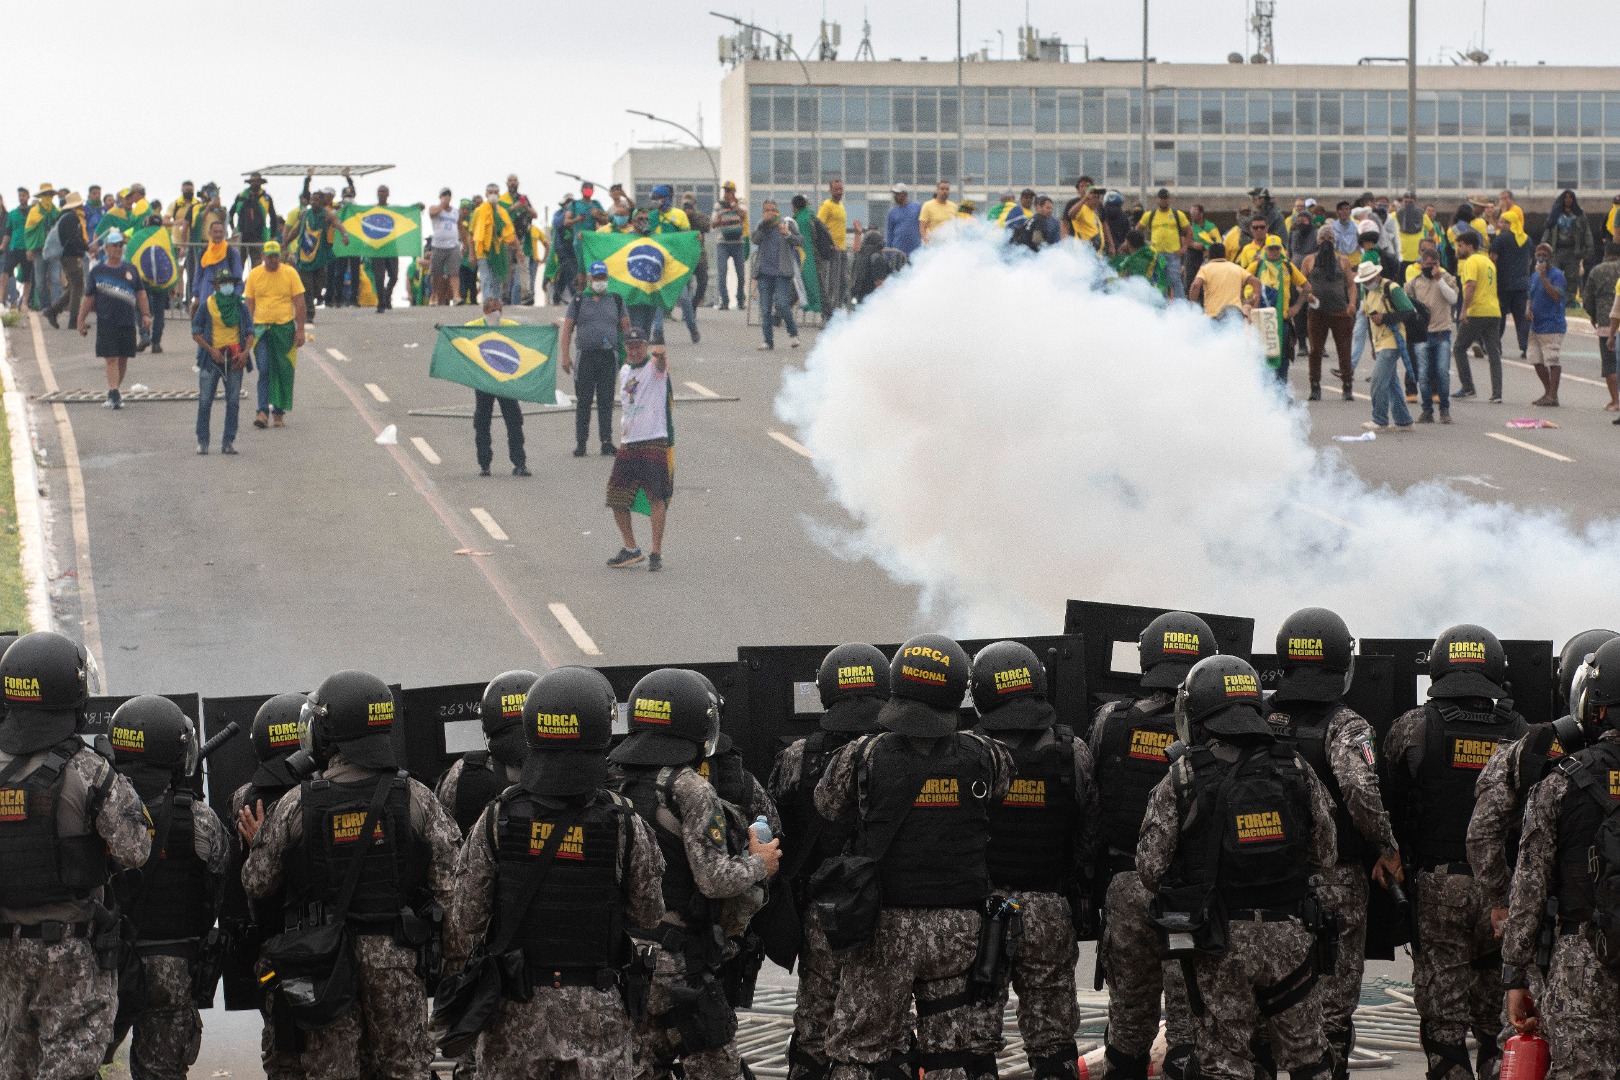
x,y
30,506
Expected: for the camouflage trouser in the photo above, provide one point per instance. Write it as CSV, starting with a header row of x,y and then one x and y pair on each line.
x,y
1343,890
1456,972
917,952
1258,957
1580,1011
813,1010
1043,975
659,1043
277,1064
385,1035
570,1033
1136,976
168,1028
56,1010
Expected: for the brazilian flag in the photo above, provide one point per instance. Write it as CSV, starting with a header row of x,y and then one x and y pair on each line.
x,y
383,232
152,253
644,269
507,361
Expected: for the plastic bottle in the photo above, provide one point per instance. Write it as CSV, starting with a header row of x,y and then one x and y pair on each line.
x,y
1525,1058
761,829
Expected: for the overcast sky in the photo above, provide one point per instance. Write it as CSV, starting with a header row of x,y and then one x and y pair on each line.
x,y
460,94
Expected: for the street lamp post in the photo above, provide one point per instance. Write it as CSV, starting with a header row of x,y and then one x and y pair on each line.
x,y
682,128
815,130
1411,95
1147,106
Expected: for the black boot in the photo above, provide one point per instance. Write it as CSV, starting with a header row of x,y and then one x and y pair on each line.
x,y
1316,391
1123,1066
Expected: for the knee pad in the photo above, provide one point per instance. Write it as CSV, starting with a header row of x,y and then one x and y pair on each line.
x,y
801,1066
898,1067
1265,1062
1488,1058
1064,1066
977,1066
1178,1062
1123,1066
1444,1058
1340,1043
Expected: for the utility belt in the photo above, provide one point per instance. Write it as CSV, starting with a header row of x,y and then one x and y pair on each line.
x,y
1461,868
1572,927
49,931
701,950
739,973
542,976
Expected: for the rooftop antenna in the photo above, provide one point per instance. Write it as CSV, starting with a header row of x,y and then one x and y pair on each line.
x,y
864,52
1265,51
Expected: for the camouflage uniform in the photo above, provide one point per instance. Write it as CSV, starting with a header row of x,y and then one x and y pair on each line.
x,y
450,783
569,1031
56,1003
1581,1000
1258,954
278,1064
386,1031
168,1028
916,952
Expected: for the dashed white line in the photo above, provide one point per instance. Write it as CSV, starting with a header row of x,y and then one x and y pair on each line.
x,y
796,447
700,390
377,392
334,354
566,620
490,525
1532,447
424,449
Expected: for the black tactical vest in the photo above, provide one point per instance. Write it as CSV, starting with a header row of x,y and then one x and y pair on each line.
x,y
482,779
269,911
1130,763
394,874
729,777
937,859
1593,794
175,897
1032,830
1249,835
651,791
1454,753
39,866
1539,754
1307,733
802,823
576,920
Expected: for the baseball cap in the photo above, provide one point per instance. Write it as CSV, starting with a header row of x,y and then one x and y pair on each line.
x,y
729,185
271,247
113,237
900,189
444,191
1310,202
599,269
1274,241
660,191
635,333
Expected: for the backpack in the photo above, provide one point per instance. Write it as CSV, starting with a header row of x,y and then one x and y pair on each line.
x,y
1415,319
1605,863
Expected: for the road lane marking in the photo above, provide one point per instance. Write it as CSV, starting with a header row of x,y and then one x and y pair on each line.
x,y
76,507
1567,377
376,392
1532,447
490,525
796,447
424,449
334,354
1325,516
701,390
566,620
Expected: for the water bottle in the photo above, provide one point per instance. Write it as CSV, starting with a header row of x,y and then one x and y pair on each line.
x,y
1525,1058
761,829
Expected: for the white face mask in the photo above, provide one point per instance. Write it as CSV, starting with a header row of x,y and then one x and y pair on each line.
x,y
599,287
227,290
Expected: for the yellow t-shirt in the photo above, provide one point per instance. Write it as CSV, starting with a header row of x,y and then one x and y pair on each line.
x,y
1375,303
1234,242
272,293
934,214
1164,229
836,218
1223,285
1083,221
1614,213
1479,269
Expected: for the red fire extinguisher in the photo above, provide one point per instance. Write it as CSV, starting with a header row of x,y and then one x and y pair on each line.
x,y
1525,1058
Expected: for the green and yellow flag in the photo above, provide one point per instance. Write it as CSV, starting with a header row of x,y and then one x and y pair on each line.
x,y
507,361
383,232
152,253
644,269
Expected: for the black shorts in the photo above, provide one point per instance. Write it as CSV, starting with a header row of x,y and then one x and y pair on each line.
x,y
642,466
13,260
114,341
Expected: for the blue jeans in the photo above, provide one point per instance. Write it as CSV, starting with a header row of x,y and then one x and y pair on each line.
x,y
1434,373
261,357
209,376
47,280
729,253
487,285
689,307
1388,398
776,293
1358,342
1171,261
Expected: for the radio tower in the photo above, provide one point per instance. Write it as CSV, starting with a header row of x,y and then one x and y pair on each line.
x,y
865,50
1264,51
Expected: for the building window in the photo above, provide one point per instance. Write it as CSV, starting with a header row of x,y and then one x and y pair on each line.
x,y
1591,115
1023,109
973,164
759,162
759,109
1591,165
1473,166
1519,113
1046,168
1068,112
1568,114
1282,165
1329,113
1542,110
1354,115
1611,115
878,163
1329,171
1569,166
1068,167
901,106
973,109
832,109
1092,113
1450,177
927,113
1496,115
928,170
1354,158
1187,112
1611,165
1397,113
1210,115
1210,165
903,161
1378,177
1543,154
1473,114
1425,170
950,111
1237,112
1164,112
1118,119
854,109
1519,165
1450,119
1377,112
1496,171
1187,165
1237,163
999,161
1282,112
1305,164
1428,107
879,114
1259,112
1022,167
1164,165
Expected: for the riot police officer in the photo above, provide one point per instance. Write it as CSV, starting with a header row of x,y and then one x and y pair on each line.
x,y
1317,655
1230,841
713,877
1042,850
1434,755
64,813
173,900
1128,741
310,840
556,868
919,796
480,775
853,683
1562,857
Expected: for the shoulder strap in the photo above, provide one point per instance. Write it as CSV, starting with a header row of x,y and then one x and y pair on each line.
x,y
887,838
352,878
511,915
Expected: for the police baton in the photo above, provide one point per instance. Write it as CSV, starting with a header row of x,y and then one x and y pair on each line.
x,y
230,732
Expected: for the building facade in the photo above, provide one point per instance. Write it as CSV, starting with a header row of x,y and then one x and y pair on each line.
x,y
1215,130
684,168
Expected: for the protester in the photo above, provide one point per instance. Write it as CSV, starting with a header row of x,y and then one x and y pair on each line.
x,y
275,300
484,407
701,224
936,212
216,257
253,216
1332,310
1569,234
385,270
1081,219
1259,235
520,287
641,465
834,269
1429,284
47,265
1221,284
1412,226
73,238
598,319
1170,232
1137,259
1482,315
903,228
776,264
1548,295
1261,205
312,232
731,222
1345,231
17,268
1598,295
1037,229
1204,233
1115,222
873,264
494,242
444,248
1284,289
1510,250
664,217
221,334
115,294
1388,403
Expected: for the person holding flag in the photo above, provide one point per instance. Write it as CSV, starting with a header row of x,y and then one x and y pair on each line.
x,y
1285,289
218,329
494,242
115,294
665,217
151,251
275,300
484,407
641,468
384,269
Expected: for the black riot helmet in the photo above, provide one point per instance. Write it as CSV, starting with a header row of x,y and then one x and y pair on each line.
x,y
352,711
1170,646
1009,688
153,743
1467,661
1573,655
45,682
277,734
928,682
1220,696
674,720
853,682
501,714
1317,654
1597,688
567,724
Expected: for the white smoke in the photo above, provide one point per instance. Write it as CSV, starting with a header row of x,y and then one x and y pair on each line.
x,y
1006,436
